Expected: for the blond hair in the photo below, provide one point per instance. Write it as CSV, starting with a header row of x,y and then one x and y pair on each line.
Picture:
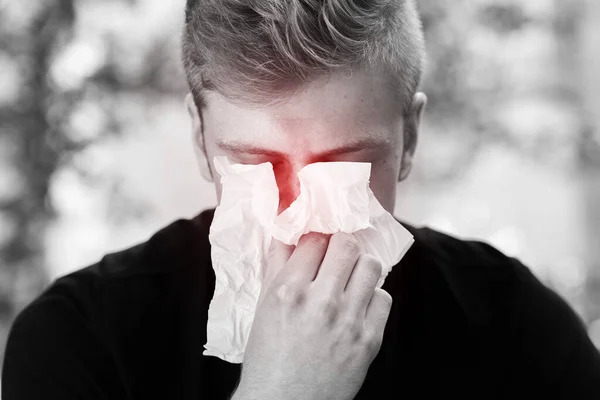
x,y
260,51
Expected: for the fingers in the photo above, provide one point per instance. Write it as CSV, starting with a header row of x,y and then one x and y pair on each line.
x,y
279,254
303,264
362,283
339,261
378,312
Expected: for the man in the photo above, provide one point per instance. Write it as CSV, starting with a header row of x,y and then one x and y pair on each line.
x,y
293,82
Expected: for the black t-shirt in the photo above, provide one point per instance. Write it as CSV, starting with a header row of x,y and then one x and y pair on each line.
x,y
466,322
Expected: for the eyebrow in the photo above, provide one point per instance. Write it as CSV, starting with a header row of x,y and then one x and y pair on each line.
x,y
363,144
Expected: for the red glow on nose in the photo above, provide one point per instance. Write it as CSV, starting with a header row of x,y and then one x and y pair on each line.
x,y
288,184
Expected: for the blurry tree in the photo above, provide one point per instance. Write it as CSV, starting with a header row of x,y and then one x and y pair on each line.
x,y
586,82
32,143
69,80
514,73
572,28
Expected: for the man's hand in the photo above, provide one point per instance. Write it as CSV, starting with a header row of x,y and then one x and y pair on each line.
x,y
319,322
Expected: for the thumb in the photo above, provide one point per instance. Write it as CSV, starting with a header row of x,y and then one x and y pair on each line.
x,y
279,254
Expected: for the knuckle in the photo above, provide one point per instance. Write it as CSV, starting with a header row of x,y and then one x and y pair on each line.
x,y
328,304
347,244
356,333
385,297
368,344
374,265
317,239
354,329
348,240
331,313
349,322
373,344
287,294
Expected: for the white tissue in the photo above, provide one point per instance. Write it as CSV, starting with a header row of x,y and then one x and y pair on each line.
x,y
334,197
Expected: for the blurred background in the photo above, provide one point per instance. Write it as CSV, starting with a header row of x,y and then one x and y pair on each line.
x,y
96,154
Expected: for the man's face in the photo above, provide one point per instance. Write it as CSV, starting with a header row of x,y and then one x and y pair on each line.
x,y
342,119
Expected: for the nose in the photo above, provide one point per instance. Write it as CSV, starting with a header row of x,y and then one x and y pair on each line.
x,y
286,176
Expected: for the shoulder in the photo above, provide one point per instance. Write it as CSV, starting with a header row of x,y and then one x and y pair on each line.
x,y
123,283
490,287
51,351
97,322
466,254
480,276
543,338
168,250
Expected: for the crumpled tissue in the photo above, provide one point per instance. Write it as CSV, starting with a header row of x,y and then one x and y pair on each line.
x,y
334,197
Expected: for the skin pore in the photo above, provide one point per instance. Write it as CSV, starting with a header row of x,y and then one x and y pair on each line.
x,y
343,118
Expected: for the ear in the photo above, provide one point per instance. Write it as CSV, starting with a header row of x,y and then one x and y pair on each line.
x,y
412,124
198,137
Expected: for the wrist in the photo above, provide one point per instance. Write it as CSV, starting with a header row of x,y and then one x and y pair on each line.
x,y
246,392
241,393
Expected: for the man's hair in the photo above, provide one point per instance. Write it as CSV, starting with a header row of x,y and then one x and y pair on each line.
x,y
261,51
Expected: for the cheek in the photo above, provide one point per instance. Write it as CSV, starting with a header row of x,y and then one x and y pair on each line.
x,y
383,181
288,184
385,170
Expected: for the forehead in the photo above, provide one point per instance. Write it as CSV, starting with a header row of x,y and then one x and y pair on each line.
x,y
324,113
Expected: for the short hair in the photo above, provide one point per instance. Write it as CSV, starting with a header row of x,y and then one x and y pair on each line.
x,y
261,51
